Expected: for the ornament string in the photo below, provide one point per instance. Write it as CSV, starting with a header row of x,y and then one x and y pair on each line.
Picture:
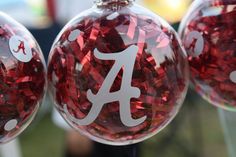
x,y
101,150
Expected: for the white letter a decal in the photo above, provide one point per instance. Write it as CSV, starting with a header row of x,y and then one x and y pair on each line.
x,y
125,60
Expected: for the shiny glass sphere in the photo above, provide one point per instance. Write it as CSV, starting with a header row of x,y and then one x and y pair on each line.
x,y
209,36
22,78
117,73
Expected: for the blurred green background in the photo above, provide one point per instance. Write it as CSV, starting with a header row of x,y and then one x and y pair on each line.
x,y
196,130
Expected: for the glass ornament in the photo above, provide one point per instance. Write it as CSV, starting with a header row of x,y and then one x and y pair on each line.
x,y
22,78
117,73
209,36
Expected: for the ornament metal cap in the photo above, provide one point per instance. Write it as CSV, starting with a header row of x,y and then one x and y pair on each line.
x,y
105,2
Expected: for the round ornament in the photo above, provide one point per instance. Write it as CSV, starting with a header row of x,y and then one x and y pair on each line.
x,y
22,78
117,73
209,36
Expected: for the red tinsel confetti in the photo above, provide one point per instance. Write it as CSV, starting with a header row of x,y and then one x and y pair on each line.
x,y
160,72
22,84
213,63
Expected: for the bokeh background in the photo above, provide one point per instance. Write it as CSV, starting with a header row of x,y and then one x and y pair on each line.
x,y
195,132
